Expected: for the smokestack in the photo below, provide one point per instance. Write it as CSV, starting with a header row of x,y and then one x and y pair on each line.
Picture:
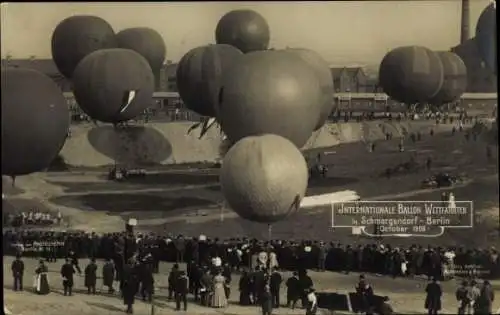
x,y
465,22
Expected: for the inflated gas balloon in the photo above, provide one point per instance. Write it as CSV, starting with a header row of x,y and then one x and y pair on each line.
x,y
35,121
199,75
76,37
113,85
455,78
411,74
246,30
322,70
270,92
147,42
486,36
264,178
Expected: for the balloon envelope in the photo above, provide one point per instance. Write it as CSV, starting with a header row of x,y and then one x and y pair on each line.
x,y
246,30
113,85
322,70
272,92
486,36
199,76
411,74
264,178
145,41
455,78
35,121
76,37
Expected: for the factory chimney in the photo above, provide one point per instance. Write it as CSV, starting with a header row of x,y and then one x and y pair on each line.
x,y
465,22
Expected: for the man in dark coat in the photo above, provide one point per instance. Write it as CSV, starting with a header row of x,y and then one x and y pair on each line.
x,y
245,286
485,299
108,275
274,285
293,290
365,295
17,268
266,301
147,281
259,281
305,283
91,276
172,278
181,291
67,272
205,287
130,286
433,298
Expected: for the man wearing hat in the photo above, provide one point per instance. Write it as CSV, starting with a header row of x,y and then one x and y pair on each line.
x,y
67,272
17,268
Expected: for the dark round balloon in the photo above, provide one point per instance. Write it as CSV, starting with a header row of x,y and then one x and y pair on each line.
x,y
199,75
270,92
486,36
76,37
113,85
35,121
147,42
246,30
455,78
411,74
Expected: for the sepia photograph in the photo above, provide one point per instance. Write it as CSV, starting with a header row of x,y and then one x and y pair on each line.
x,y
250,158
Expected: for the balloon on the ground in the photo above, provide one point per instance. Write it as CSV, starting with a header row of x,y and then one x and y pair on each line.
x,y
272,92
145,41
246,30
113,85
199,75
35,121
455,78
486,36
264,178
76,37
322,69
411,74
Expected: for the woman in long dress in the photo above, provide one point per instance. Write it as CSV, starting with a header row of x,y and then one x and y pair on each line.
x,y
41,279
219,299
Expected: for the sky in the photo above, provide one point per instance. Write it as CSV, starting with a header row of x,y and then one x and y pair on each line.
x,y
343,32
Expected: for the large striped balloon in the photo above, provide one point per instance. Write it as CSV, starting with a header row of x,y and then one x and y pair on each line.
x,y
411,74
199,75
486,36
455,78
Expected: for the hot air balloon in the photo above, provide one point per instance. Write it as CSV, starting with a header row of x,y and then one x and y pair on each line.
x,y
455,78
322,70
246,30
411,74
264,178
145,41
270,92
76,37
199,75
113,85
486,36
35,121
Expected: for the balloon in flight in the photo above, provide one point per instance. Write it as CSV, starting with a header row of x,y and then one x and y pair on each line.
x,y
411,74
145,41
35,121
246,30
272,92
113,85
199,75
76,37
264,178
